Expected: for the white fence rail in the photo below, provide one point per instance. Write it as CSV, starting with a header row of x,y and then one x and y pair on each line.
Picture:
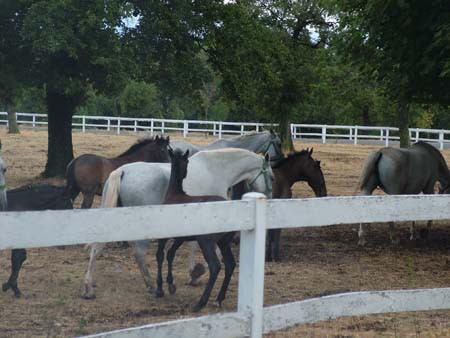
x,y
252,216
322,133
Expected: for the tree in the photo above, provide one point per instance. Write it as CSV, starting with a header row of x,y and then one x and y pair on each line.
x,y
263,51
66,46
404,44
140,99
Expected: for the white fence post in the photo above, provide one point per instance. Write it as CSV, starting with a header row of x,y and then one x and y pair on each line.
x,y
162,127
251,266
324,134
220,130
355,135
185,128
381,134
34,121
152,124
83,124
118,126
386,143
242,129
441,139
417,134
108,124
135,125
350,133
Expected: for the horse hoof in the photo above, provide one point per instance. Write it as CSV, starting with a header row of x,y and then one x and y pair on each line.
x,y
17,294
197,271
88,292
5,287
197,307
159,293
172,288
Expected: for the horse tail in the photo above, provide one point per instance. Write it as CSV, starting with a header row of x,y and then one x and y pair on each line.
x,y
111,190
72,188
370,167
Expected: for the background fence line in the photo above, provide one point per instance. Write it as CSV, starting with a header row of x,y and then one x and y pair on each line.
x,y
314,132
252,216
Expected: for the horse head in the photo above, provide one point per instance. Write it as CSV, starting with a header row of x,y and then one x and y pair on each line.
x,y
262,182
273,148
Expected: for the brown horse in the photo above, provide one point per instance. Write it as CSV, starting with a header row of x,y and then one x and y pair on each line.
x,y
87,173
207,243
298,166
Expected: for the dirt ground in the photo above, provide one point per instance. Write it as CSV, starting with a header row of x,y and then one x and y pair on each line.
x,y
315,262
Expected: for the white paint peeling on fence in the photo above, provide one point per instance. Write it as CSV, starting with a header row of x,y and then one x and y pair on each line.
x,y
354,304
65,227
318,132
217,326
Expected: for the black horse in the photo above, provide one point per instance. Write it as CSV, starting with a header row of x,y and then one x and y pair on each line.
x,y
32,198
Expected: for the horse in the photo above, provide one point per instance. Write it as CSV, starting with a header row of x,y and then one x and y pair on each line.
x,y
176,195
87,173
297,166
263,142
32,198
210,172
403,171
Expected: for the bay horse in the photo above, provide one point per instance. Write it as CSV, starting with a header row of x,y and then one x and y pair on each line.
x,y
32,198
265,142
176,195
210,172
296,167
87,173
404,171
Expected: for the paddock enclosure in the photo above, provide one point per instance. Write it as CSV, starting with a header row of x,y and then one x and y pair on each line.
x,y
315,262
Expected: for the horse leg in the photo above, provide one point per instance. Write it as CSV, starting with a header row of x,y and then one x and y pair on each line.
x,y
88,199
208,248
362,238
230,264
18,256
270,237
392,235
140,250
195,270
96,250
159,259
424,232
412,231
170,257
276,248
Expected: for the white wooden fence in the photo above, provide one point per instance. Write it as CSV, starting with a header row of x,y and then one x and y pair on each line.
x,y
252,216
322,133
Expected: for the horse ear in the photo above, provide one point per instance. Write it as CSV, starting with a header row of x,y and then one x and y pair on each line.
x,y
168,139
311,151
186,154
157,138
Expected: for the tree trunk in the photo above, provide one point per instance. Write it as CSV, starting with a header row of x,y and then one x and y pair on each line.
x,y
403,121
12,123
60,149
284,132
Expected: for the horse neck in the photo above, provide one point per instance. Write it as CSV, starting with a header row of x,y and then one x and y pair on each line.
x,y
252,142
134,157
175,181
243,168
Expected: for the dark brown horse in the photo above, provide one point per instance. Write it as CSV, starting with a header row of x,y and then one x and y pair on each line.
x,y
296,167
207,243
32,198
87,173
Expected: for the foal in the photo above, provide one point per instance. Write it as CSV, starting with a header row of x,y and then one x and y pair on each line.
x,y
176,195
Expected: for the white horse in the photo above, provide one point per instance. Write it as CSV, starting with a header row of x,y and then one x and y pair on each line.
x,y
209,173
3,204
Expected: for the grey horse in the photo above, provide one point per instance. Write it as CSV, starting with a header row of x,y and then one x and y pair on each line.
x,y
263,142
404,171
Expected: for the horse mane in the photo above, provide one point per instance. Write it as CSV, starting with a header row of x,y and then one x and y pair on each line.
x,y
138,145
432,149
290,157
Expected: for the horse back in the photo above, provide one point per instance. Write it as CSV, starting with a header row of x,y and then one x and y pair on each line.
x,y
38,197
